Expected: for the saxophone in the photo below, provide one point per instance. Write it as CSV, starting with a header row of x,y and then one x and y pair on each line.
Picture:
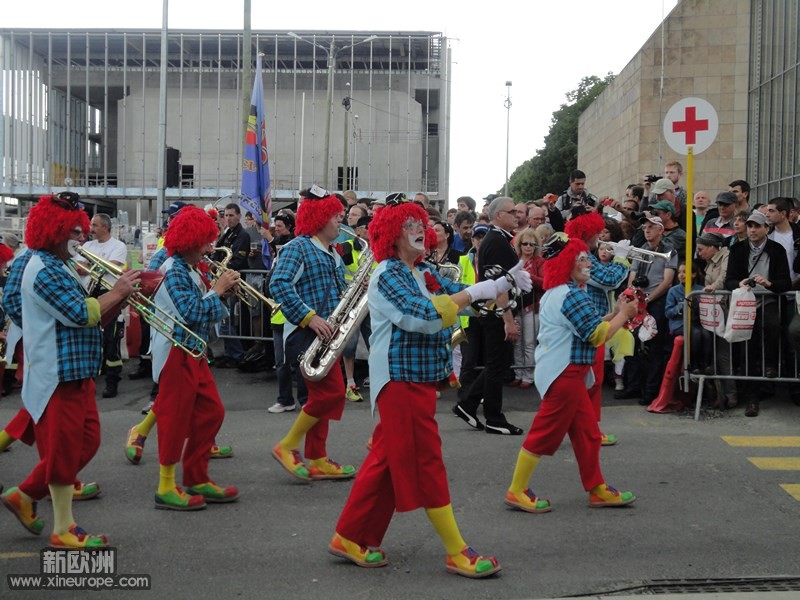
x,y
316,362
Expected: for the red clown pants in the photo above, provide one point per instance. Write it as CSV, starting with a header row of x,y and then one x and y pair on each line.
x,y
596,391
326,402
566,409
67,437
188,406
403,471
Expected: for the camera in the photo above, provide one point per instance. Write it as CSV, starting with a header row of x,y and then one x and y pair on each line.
x,y
651,178
752,282
641,282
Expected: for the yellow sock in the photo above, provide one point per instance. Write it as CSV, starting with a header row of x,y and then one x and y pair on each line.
x,y
302,424
526,465
444,522
62,508
351,547
147,424
166,479
5,440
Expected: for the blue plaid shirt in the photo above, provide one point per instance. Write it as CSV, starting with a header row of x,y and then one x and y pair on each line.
x,y
418,348
12,292
580,311
158,259
196,309
78,347
605,278
307,277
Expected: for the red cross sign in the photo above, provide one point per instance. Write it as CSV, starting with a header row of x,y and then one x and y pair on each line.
x,y
691,122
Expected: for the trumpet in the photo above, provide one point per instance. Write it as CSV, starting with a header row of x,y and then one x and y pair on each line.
x,y
246,293
643,256
140,300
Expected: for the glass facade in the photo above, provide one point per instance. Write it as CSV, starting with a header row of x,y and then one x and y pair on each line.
x,y
773,159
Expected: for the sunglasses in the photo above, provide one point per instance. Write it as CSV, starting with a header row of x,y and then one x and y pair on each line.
x,y
68,201
529,244
396,199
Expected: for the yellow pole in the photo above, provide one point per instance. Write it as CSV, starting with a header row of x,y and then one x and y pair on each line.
x,y
690,233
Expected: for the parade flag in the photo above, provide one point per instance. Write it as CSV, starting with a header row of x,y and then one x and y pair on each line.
x,y
256,197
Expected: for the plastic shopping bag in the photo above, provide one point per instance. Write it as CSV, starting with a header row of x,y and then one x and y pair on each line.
x,y
741,315
711,313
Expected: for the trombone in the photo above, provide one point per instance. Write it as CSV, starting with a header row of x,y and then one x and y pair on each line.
x,y
246,293
154,315
641,255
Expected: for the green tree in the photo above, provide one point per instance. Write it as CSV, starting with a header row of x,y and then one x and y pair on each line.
x,y
549,169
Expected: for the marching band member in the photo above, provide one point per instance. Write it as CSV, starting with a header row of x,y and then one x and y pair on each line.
x,y
62,354
571,331
308,282
188,404
137,435
21,426
604,277
412,309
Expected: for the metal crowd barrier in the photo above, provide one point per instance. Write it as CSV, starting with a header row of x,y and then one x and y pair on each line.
x,y
246,323
738,355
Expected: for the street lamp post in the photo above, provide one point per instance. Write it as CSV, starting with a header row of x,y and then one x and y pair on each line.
x,y
507,104
332,53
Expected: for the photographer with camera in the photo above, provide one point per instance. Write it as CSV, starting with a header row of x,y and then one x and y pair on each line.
x,y
673,171
645,370
576,195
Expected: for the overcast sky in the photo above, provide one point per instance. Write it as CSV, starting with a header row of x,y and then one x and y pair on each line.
x,y
543,48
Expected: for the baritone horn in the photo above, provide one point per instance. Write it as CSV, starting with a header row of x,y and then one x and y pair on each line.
x,y
641,255
246,292
141,301
452,273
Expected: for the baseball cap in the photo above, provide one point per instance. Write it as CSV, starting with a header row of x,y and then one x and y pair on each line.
x,y
480,229
654,220
757,217
727,198
173,208
364,222
11,240
710,238
490,197
661,186
663,205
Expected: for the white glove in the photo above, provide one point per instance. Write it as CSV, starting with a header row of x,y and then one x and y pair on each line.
x,y
483,290
622,248
522,277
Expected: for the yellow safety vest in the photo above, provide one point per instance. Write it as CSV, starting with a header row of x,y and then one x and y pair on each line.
x,y
467,277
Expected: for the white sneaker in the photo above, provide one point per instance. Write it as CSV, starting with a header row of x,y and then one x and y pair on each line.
x,y
279,408
366,382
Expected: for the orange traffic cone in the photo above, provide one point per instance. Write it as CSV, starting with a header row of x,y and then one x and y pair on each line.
x,y
665,401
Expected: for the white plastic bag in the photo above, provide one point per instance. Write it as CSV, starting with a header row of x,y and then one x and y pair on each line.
x,y
741,315
712,316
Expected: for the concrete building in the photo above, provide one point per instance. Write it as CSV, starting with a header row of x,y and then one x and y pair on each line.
x,y
739,55
80,111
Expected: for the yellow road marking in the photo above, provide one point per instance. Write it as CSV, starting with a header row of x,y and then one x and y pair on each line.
x,y
776,464
7,555
793,489
763,441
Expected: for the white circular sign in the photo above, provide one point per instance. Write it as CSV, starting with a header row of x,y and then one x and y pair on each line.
x,y
691,122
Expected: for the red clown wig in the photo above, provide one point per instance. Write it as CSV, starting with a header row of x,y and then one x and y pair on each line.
x,y
312,214
386,227
6,254
189,230
52,221
558,269
585,226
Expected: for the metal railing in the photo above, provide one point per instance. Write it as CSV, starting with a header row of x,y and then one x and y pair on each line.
x,y
743,362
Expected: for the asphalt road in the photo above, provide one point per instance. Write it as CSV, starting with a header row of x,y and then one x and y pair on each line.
x,y
703,509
